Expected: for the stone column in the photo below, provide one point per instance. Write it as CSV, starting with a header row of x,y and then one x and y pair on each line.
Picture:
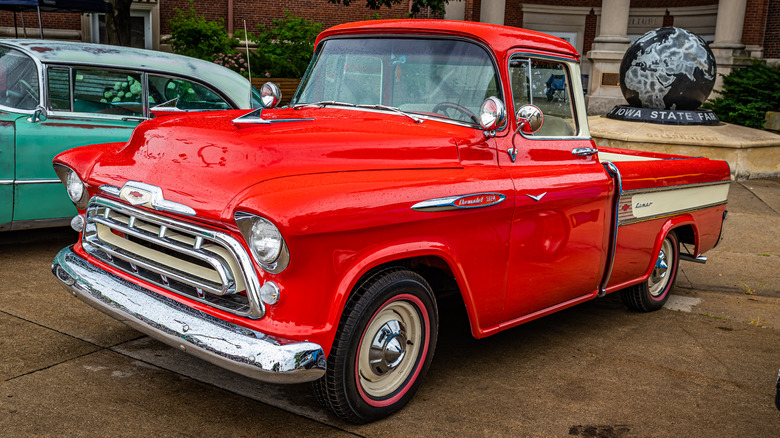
x,y
492,11
455,10
728,48
608,49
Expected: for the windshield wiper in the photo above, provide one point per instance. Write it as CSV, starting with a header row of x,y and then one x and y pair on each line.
x,y
392,108
323,104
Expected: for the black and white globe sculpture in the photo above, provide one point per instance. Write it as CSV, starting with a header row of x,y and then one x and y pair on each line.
x,y
665,76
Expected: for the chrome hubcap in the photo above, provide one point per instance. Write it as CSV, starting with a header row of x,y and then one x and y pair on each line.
x,y
659,278
388,347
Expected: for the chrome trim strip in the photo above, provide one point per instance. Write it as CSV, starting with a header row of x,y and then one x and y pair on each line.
x,y
677,187
111,190
254,117
669,214
9,182
37,181
614,172
225,344
449,203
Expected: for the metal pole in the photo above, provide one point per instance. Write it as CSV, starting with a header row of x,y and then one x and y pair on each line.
x,y
40,24
24,27
16,26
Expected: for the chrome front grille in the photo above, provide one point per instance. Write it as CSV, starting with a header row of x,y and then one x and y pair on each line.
x,y
203,264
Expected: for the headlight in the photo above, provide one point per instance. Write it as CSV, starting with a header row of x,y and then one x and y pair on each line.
x,y
77,192
265,242
75,187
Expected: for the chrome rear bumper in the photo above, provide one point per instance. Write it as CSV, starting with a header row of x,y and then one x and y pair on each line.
x,y
222,343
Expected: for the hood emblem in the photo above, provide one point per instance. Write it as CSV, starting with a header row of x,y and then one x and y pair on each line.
x,y
536,198
150,196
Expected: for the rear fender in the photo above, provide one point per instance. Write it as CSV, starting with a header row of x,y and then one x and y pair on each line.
x,y
670,224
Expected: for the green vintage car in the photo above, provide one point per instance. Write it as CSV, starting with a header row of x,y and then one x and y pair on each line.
x,y
58,95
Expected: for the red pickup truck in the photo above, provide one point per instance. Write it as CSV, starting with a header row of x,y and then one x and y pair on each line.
x,y
312,242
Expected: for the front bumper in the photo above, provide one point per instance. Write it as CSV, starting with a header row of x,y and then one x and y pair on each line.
x,y
230,346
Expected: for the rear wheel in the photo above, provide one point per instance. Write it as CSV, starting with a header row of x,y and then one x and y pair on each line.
x,y
383,347
653,293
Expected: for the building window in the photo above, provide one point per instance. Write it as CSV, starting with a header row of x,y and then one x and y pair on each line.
x,y
140,29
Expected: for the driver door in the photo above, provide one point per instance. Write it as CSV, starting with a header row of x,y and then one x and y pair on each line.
x,y
559,228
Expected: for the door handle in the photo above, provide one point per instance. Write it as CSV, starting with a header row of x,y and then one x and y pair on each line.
x,y
582,152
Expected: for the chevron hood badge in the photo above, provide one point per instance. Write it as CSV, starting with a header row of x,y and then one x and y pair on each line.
x,y
536,198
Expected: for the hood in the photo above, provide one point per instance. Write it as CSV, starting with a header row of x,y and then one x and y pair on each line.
x,y
205,160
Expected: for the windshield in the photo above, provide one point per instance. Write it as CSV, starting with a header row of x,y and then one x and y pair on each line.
x,y
18,80
445,78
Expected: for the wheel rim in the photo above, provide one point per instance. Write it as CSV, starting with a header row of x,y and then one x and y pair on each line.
x,y
389,349
659,278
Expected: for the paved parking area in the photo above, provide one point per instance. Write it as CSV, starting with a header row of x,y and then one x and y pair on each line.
x,y
705,366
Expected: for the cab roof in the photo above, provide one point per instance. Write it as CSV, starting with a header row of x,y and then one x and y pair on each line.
x,y
500,38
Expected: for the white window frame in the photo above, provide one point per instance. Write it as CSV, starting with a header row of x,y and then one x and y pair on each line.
x,y
94,25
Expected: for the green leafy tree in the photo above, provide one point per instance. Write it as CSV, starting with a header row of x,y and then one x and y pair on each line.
x,y
193,35
417,5
284,48
118,23
748,93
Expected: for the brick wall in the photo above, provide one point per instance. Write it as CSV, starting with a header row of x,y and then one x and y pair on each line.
x,y
50,20
772,32
755,19
589,34
263,12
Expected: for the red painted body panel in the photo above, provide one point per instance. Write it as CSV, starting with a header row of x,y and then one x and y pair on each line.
x,y
340,185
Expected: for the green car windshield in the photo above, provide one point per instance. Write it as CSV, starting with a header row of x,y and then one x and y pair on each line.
x,y
18,80
439,77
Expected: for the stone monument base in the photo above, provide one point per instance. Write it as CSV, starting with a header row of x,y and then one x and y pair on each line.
x,y
664,116
751,153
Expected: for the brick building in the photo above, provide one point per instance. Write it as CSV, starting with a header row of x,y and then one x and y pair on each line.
x,y
599,29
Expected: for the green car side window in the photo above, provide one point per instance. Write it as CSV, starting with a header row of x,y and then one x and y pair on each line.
x,y
59,88
108,92
18,80
191,96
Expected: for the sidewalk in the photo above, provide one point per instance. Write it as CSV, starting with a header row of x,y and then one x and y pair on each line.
x,y
704,366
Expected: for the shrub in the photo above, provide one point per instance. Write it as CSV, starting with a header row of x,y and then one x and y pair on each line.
x,y
748,93
285,48
234,62
193,35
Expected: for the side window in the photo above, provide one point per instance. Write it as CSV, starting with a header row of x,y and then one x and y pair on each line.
x,y
545,84
107,92
192,96
18,80
59,88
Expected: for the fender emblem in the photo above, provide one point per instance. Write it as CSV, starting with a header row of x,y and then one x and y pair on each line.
x,y
536,198
643,204
475,200
625,207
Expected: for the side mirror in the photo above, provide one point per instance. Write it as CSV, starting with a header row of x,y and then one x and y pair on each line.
x,y
492,114
270,95
529,119
40,115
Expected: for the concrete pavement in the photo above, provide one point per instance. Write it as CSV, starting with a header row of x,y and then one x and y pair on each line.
x,y
705,366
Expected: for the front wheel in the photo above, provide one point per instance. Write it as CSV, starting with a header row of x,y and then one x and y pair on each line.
x,y
383,347
653,293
